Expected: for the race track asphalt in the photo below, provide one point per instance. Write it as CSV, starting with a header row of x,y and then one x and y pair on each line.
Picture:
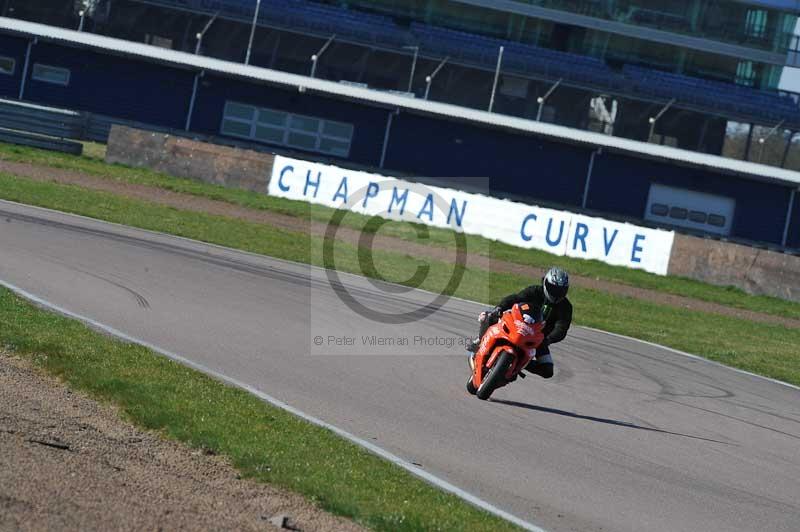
x,y
626,436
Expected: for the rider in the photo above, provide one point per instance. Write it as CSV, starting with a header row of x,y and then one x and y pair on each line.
x,y
551,298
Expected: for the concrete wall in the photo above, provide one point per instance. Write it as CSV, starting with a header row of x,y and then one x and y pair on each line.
x,y
182,157
754,270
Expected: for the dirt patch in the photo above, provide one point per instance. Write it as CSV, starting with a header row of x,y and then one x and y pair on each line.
x,y
291,223
69,463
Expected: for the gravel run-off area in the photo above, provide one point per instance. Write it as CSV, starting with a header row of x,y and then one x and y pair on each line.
x,y
70,463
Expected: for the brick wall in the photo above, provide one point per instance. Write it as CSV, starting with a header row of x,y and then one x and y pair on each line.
x,y
754,270
182,157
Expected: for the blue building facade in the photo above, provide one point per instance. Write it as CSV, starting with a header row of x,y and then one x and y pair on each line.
x,y
793,230
12,48
517,165
620,184
540,169
369,123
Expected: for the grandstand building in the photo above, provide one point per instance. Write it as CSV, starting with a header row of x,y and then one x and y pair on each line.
x,y
610,107
712,66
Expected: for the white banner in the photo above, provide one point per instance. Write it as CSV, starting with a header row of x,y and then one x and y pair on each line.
x,y
518,224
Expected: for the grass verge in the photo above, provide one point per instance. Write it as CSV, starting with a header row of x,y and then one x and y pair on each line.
x,y
765,349
92,164
263,442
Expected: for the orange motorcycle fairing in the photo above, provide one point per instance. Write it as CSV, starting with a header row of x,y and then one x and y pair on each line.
x,y
518,333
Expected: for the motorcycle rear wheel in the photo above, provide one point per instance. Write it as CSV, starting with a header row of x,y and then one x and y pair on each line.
x,y
471,389
496,376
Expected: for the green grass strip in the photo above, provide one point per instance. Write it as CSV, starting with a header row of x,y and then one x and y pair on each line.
x,y
93,165
263,442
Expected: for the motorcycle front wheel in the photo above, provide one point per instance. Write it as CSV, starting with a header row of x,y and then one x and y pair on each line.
x,y
496,376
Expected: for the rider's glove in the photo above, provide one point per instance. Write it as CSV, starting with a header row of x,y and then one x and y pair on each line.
x,y
492,315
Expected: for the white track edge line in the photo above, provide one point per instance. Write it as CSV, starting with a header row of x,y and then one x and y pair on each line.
x,y
374,449
301,264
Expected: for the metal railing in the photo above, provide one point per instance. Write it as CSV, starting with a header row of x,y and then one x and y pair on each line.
x,y
61,123
37,141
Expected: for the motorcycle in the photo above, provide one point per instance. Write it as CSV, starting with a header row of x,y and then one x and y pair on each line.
x,y
506,348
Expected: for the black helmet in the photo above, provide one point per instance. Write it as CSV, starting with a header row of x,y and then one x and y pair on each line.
x,y
556,285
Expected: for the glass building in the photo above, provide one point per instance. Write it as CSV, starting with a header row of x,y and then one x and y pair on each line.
x,y
742,42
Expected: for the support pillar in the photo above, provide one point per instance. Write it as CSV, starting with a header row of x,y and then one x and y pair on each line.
x,y
788,218
386,136
25,69
585,199
787,148
192,101
747,144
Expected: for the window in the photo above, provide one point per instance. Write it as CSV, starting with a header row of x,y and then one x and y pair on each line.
x,y
234,110
7,65
305,142
678,213
51,74
237,129
269,134
745,73
273,118
698,217
665,140
756,23
716,220
287,129
700,211
659,209
157,40
302,123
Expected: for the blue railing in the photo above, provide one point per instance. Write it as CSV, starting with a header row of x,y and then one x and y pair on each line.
x,y
519,57
302,15
724,97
